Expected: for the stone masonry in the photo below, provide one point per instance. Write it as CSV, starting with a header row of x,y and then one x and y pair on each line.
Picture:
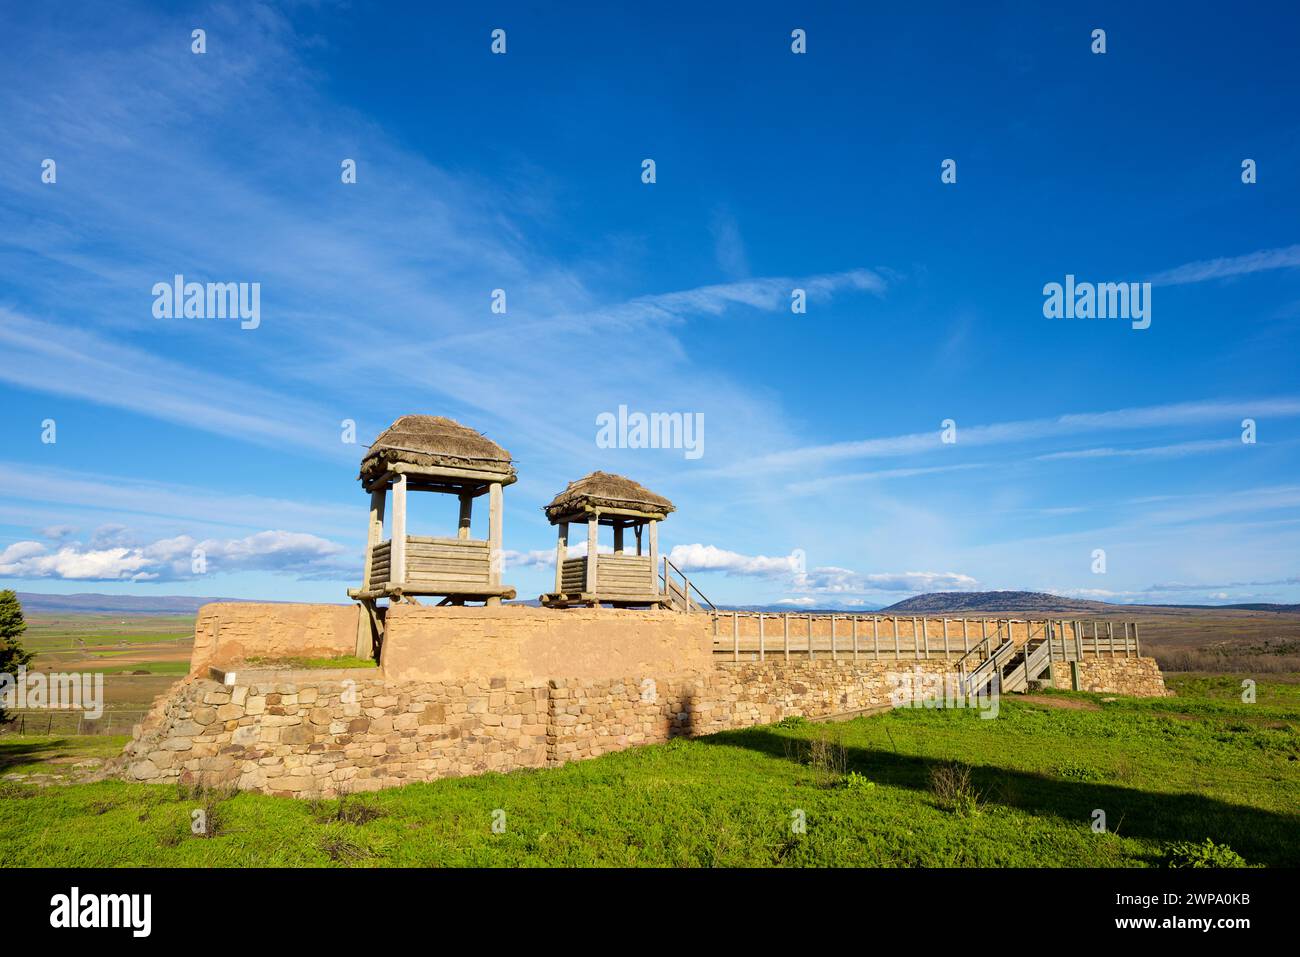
x,y
319,733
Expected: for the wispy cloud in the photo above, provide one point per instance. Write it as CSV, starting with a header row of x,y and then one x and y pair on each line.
x,y
1225,412
1288,257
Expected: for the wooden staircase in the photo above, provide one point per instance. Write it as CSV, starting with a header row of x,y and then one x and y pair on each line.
x,y
999,658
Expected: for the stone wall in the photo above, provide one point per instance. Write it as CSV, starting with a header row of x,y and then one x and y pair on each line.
x,y
317,733
629,678
1139,677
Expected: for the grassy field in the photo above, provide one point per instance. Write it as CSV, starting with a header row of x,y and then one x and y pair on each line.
x,y
910,788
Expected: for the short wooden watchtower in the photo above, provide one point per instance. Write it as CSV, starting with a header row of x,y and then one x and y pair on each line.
x,y
621,579
427,453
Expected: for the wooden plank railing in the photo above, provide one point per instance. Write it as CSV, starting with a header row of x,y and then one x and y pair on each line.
x,y
746,635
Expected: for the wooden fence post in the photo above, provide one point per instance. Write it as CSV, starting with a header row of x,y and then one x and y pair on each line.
x,y
785,634
762,650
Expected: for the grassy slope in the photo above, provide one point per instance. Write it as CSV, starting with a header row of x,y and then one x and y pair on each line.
x,y
1187,768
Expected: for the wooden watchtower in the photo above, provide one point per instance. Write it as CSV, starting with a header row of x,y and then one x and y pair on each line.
x,y
621,579
426,453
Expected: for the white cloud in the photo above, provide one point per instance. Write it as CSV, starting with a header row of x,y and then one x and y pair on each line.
x,y
171,559
832,580
710,558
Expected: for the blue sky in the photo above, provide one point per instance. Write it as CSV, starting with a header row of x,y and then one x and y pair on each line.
x,y
774,171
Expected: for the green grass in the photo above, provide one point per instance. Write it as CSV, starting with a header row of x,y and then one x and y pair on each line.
x,y
1169,774
342,661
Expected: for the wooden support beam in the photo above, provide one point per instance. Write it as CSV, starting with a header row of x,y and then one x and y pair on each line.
x,y
875,637
397,561
618,539
561,554
496,558
652,531
811,654
593,531
833,655
855,637
762,647
374,532
785,634
466,514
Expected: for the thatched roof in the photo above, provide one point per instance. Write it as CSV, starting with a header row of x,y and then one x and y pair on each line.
x,y
433,440
604,490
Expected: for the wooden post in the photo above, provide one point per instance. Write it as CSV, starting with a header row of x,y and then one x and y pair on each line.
x,y
397,554
855,637
945,639
654,558
833,655
618,539
762,647
496,559
735,636
593,533
925,635
916,647
811,653
896,649
561,553
965,636
875,638
1110,637
466,513
785,634
375,533
1137,643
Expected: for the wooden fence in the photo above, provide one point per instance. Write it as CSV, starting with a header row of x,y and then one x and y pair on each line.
x,y
754,636
52,721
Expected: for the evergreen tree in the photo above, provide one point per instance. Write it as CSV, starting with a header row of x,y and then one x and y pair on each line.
x,y
12,655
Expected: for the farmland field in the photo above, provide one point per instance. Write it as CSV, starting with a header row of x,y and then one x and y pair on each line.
x,y
909,788
140,656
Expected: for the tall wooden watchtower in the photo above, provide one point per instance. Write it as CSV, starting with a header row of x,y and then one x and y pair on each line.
x,y
427,453
623,579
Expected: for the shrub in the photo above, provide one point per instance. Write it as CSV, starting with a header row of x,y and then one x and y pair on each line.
x,y
1208,854
854,781
952,787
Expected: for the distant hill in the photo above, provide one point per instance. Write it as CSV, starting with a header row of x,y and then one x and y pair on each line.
x,y
980,602
88,603
987,602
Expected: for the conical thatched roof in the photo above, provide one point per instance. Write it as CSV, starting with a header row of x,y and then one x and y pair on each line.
x,y
433,440
605,490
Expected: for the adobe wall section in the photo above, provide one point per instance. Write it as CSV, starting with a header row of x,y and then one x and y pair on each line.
x,y
229,633
525,643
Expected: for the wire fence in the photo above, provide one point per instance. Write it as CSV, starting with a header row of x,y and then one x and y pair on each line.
x,y
49,722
